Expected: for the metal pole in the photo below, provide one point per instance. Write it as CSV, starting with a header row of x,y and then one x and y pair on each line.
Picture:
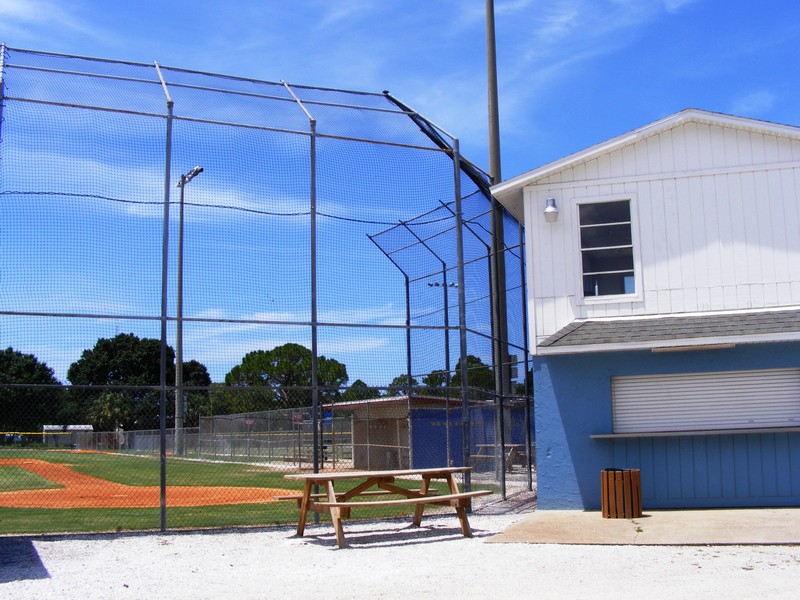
x,y
314,346
314,324
408,345
178,449
162,401
529,441
408,383
446,366
494,119
180,402
462,317
2,85
498,288
499,338
446,334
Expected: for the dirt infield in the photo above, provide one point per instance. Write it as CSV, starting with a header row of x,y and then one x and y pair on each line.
x,y
84,491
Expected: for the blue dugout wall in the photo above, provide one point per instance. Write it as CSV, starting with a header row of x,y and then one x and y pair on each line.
x,y
573,402
431,428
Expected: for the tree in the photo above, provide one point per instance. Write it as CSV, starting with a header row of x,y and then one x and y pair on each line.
x,y
110,410
401,385
284,368
479,375
27,408
195,375
435,382
124,360
360,391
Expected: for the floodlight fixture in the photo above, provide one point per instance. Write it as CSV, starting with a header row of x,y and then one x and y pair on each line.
x,y
189,176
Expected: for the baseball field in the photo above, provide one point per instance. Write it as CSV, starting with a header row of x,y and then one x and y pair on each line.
x,y
55,491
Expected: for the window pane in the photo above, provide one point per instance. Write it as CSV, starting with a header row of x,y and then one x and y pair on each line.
x,y
610,235
608,284
599,261
605,212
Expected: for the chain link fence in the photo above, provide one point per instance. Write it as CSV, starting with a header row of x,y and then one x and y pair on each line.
x,y
321,264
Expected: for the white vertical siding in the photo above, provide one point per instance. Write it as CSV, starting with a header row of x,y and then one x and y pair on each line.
x,y
717,221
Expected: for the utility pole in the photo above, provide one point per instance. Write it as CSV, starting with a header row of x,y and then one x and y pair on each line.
x,y
498,276
494,118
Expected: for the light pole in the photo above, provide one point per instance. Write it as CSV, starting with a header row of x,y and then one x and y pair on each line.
x,y
180,402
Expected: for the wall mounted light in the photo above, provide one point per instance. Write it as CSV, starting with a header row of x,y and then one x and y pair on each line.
x,y
551,211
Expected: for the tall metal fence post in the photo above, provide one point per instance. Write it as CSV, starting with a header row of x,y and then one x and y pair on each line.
x,y
462,318
446,317
314,325
2,85
408,341
162,401
530,457
315,420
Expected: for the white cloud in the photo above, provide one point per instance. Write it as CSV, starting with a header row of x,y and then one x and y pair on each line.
x,y
143,185
24,10
21,15
387,314
335,13
221,346
556,40
674,6
753,104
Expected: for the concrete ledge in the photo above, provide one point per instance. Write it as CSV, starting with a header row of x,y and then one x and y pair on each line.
x,y
745,526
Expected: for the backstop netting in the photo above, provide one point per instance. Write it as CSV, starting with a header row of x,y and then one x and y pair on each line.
x,y
330,281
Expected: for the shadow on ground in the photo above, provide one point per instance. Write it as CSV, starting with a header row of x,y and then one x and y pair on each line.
x,y
20,560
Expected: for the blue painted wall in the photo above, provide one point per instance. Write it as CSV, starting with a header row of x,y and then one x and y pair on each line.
x,y
429,434
572,399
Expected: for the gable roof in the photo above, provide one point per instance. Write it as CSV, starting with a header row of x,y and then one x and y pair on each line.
x,y
677,331
509,192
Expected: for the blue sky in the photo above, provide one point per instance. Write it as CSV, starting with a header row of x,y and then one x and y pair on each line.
x,y
572,73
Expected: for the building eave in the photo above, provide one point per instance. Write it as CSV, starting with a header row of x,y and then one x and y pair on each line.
x,y
510,192
688,344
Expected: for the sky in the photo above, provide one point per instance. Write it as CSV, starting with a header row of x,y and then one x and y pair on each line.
x,y
571,73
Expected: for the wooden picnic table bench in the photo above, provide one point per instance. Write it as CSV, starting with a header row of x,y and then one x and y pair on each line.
x,y
514,453
339,504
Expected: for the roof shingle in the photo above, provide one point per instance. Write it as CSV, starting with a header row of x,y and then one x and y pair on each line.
x,y
639,329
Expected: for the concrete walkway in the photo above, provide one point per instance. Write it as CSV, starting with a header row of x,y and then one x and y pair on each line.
x,y
758,526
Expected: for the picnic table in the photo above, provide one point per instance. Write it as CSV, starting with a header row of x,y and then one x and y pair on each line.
x,y
372,484
514,453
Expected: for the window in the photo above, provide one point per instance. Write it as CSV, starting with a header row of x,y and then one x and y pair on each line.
x,y
606,248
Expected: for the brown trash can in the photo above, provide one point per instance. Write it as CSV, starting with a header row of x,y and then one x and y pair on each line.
x,y
621,493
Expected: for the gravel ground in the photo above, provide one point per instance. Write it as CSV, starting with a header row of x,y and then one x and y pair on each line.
x,y
387,559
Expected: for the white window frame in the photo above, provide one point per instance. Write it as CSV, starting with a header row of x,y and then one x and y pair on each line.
x,y
637,266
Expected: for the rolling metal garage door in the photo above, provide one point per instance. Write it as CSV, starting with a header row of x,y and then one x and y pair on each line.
x,y
706,401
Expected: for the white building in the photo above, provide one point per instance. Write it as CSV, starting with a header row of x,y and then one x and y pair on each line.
x,y
664,312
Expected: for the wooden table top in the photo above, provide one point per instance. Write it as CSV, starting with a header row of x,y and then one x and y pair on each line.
x,y
376,474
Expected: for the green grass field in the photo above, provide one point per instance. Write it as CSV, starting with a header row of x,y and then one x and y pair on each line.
x,y
13,479
146,471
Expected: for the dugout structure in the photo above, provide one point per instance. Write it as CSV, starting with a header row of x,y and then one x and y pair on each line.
x,y
67,436
343,221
